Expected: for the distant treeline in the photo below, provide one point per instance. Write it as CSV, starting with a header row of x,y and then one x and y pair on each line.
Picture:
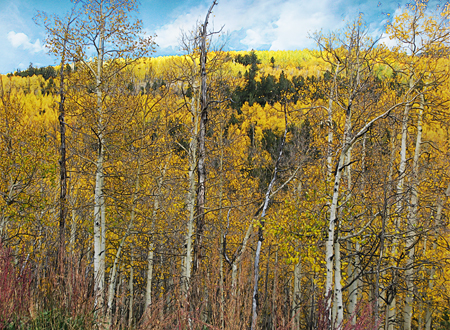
x,y
46,72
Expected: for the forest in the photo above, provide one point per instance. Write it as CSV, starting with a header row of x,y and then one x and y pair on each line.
x,y
227,189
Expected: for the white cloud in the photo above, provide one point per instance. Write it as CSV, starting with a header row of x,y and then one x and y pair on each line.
x,y
299,20
169,34
22,40
250,17
259,23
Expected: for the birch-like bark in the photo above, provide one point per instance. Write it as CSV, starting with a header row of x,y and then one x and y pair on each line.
x,y
412,224
353,264
386,216
190,200
330,127
392,308
99,232
438,224
333,222
201,166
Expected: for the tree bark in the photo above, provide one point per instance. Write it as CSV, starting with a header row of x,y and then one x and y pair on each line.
x,y
201,167
99,231
438,224
412,224
190,200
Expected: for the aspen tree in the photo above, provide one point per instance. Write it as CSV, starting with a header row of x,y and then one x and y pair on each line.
x,y
357,58
107,30
420,37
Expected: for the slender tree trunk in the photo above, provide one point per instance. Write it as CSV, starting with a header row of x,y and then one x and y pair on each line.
x,y
62,162
201,169
330,128
438,224
99,231
190,200
338,285
333,225
392,308
412,224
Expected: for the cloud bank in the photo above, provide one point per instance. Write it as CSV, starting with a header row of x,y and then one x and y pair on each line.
x,y
253,24
22,40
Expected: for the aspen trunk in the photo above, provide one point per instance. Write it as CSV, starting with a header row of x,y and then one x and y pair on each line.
x,y
388,312
201,169
392,308
338,286
99,226
62,161
438,224
330,128
330,249
411,225
190,200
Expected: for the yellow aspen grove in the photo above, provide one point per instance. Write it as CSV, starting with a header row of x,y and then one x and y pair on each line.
x,y
230,190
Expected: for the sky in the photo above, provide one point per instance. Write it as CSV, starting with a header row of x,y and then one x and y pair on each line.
x,y
248,24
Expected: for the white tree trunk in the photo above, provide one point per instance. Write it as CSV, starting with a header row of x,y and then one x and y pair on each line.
x,y
338,285
99,207
411,225
438,223
190,199
331,231
392,308
330,128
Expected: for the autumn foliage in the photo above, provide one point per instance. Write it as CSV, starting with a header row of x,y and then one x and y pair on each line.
x,y
325,175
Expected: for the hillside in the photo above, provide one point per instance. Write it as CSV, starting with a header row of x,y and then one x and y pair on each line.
x,y
271,189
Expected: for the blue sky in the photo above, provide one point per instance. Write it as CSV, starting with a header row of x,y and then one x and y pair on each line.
x,y
250,24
